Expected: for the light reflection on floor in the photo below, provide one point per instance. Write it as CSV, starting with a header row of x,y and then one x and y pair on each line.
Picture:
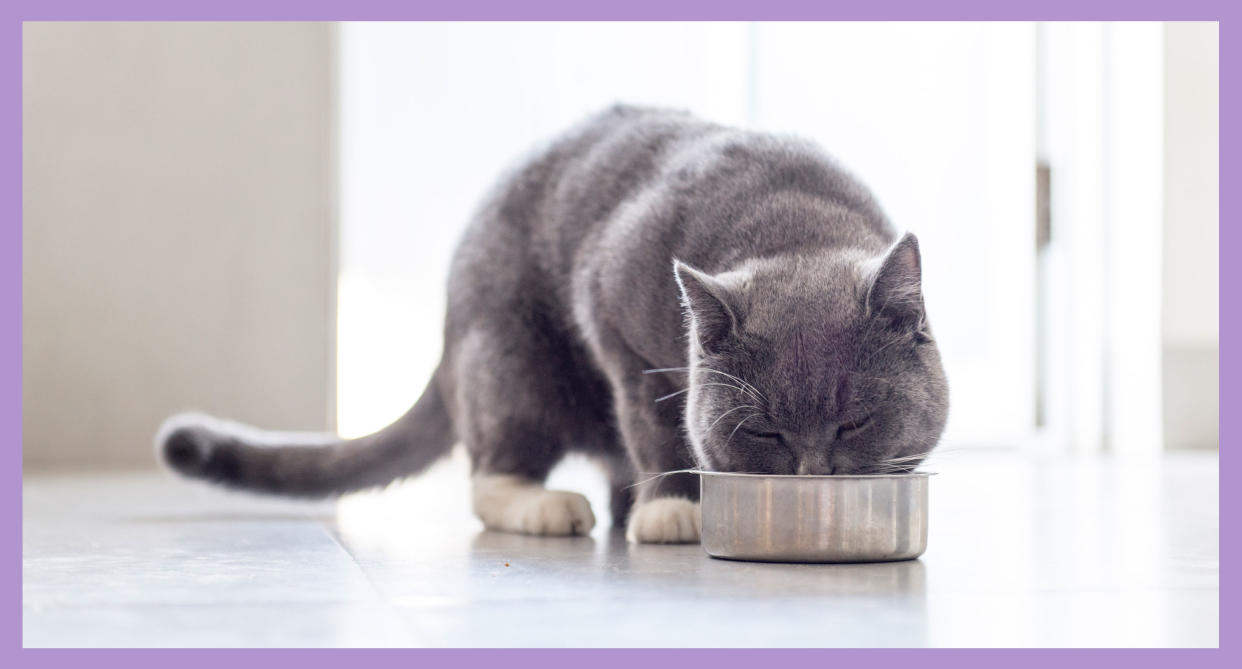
x,y
1086,552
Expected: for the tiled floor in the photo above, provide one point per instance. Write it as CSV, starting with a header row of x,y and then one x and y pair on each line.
x,y
1083,552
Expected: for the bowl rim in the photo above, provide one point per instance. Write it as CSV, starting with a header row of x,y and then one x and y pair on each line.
x,y
912,475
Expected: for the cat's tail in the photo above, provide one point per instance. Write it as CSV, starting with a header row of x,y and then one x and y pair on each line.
x,y
306,464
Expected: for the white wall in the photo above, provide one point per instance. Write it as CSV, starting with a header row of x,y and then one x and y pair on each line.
x,y
1191,235
178,231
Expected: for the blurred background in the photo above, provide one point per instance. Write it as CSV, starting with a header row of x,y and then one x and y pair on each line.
x,y
256,220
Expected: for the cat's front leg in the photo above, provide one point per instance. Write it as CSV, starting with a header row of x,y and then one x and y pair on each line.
x,y
666,509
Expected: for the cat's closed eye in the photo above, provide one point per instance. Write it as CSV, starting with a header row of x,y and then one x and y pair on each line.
x,y
848,430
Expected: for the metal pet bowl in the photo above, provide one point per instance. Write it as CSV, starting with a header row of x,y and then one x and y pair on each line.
x,y
814,518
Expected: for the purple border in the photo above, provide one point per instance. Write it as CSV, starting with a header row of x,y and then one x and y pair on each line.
x,y
1229,320
578,10
17,11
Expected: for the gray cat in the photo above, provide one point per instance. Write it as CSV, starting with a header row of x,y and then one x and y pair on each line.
x,y
662,293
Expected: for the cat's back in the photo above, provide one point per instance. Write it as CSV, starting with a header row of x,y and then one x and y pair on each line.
x,y
530,224
628,153
573,194
594,167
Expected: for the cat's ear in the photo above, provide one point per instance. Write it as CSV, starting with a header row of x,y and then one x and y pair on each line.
x,y
896,290
709,306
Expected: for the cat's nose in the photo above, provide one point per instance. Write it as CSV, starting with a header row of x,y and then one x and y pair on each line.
x,y
813,466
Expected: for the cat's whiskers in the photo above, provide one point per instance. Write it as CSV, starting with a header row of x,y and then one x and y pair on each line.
x,y
905,463
736,427
912,456
949,450
660,476
721,416
750,389
686,390
896,463
742,386
670,395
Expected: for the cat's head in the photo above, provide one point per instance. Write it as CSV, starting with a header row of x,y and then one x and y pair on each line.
x,y
813,365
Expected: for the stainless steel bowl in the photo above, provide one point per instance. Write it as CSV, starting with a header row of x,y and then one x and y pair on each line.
x,y
814,518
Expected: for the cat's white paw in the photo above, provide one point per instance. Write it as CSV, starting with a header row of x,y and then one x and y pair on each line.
x,y
553,513
512,504
665,520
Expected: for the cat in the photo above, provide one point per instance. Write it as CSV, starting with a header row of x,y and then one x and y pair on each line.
x,y
665,294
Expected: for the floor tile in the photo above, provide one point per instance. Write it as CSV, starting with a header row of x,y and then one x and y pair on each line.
x,y
1089,551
